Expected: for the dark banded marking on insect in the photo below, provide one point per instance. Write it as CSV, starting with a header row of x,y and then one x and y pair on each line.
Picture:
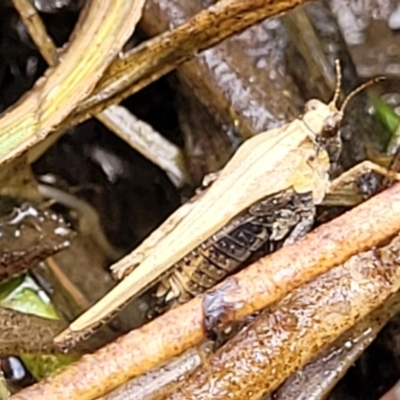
x,y
268,222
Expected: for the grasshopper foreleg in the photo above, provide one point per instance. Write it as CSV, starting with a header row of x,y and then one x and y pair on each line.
x,y
301,229
359,170
346,183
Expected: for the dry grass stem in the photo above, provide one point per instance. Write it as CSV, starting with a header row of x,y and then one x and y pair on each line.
x,y
143,138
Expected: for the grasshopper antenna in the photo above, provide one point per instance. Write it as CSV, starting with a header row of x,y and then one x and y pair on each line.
x,y
358,90
338,82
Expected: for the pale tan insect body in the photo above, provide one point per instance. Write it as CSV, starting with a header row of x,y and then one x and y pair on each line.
x,y
268,163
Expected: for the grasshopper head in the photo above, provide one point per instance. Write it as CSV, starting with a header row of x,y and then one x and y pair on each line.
x,y
326,118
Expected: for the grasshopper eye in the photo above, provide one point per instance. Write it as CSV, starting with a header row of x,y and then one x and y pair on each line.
x,y
331,125
312,105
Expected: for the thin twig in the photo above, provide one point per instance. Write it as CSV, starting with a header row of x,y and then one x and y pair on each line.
x,y
73,292
156,382
37,30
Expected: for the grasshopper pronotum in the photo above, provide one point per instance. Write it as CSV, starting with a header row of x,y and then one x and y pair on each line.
x,y
295,157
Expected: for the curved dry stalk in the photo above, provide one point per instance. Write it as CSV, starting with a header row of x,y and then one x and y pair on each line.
x,y
259,285
103,28
89,220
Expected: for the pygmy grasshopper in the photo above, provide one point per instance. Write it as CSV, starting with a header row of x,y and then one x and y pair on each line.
x,y
295,157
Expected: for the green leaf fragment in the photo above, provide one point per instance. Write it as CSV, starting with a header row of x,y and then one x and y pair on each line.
x,y
22,294
42,366
8,287
386,114
25,296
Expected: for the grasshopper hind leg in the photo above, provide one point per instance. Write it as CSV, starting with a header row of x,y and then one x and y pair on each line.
x,y
262,228
284,231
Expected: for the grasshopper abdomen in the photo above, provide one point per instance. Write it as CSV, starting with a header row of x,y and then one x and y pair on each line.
x,y
265,224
